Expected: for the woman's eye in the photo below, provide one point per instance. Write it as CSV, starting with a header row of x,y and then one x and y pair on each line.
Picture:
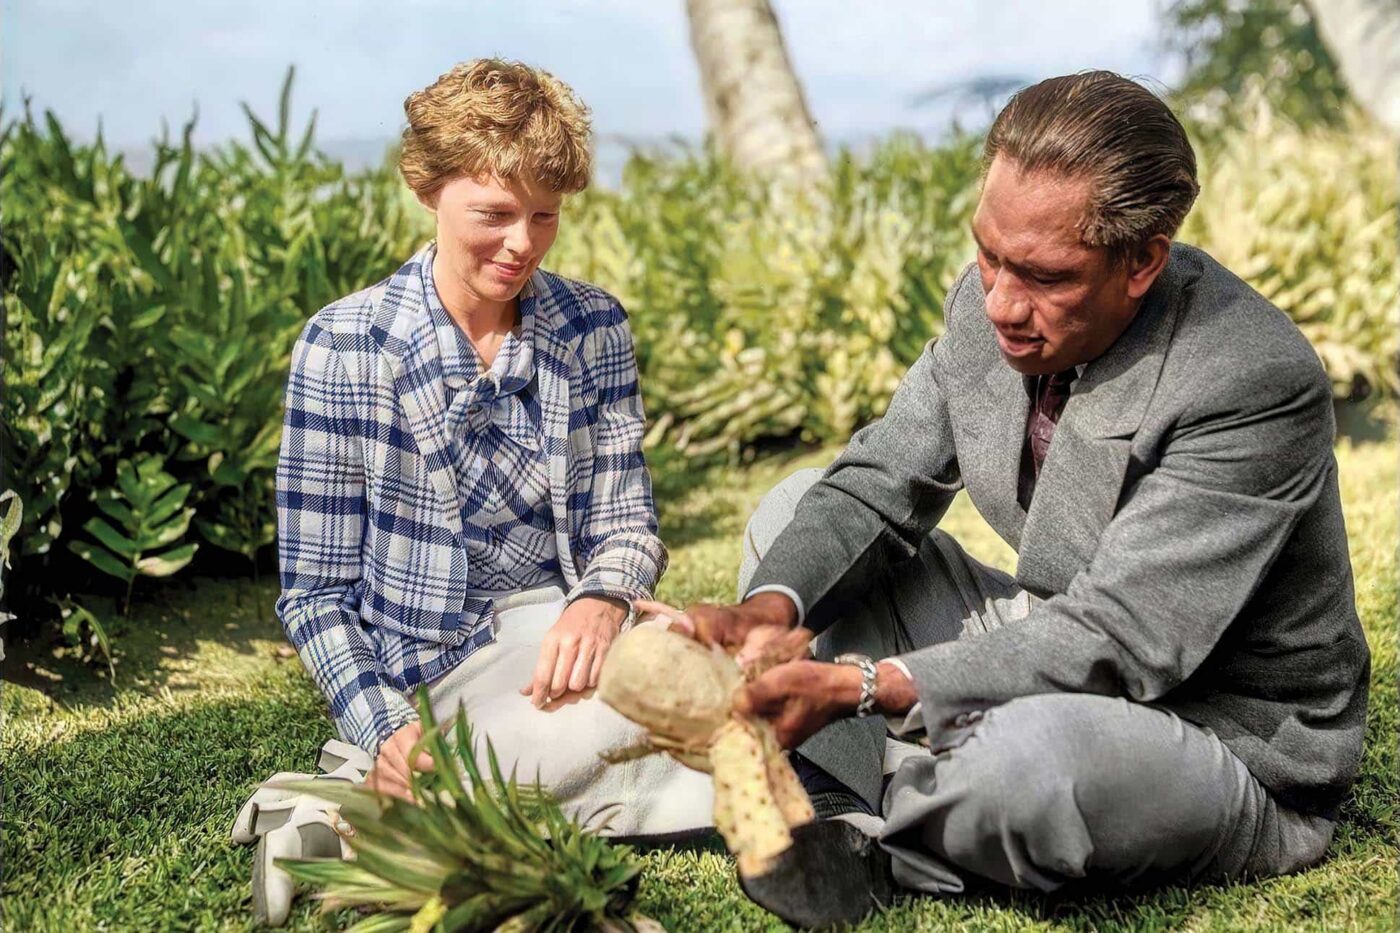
x,y
492,216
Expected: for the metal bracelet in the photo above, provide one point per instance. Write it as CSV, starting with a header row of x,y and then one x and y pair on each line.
x,y
868,681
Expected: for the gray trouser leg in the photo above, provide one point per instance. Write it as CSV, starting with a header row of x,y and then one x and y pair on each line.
x,y
938,595
1055,789
1046,790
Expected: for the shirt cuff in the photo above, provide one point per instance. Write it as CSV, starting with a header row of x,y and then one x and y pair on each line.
x,y
911,722
787,591
594,589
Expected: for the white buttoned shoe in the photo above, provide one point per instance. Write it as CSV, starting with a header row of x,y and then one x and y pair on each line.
x,y
293,824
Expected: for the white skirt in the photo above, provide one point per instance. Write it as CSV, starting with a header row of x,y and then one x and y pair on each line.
x,y
561,745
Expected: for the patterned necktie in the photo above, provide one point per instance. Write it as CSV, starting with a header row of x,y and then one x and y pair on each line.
x,y
1051,395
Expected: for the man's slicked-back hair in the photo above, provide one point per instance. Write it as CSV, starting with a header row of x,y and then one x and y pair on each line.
x,y
1116,134
493,117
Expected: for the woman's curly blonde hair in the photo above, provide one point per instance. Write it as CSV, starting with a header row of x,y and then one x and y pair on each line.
x,y
493,117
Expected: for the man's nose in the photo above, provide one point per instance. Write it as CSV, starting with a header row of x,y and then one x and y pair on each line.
x,y
1007,303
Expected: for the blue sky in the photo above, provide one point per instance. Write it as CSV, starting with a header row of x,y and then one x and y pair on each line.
x,y
133,63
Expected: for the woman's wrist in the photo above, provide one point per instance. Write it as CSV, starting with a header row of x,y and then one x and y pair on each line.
x,y
615,609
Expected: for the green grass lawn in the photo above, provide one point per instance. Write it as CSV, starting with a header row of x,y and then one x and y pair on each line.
x,y
117,801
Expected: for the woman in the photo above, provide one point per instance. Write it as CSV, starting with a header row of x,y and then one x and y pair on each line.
x,y
461,492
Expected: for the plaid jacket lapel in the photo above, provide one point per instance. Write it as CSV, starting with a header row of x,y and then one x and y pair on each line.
x,y
415,364
552,373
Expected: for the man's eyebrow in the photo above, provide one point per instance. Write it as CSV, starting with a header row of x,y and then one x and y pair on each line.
x,y
1044,271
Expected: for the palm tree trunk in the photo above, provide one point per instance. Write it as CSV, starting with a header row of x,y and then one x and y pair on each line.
x,y
1364,37
753,100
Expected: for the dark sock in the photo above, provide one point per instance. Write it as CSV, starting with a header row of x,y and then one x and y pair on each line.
x,y
829,796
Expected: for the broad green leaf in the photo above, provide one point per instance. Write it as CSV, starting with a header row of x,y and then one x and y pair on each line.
x,y
112,539
9,522
127,479
149,468
102,560
147,318
152,482
116,509
229,473
188,426
220,535
227,356
163,565
160,511
284,108
267,441
168,532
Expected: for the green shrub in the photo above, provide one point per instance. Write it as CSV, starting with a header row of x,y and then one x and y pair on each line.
x,y
1307,217
147,539
760,314
153,317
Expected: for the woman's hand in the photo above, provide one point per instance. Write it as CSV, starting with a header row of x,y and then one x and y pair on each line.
x,y
574,648
390,772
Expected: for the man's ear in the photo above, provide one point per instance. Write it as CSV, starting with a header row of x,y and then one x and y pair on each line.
x,y
1146,263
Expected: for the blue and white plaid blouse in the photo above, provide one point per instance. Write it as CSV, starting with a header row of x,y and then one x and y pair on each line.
x,y
493,418
376,558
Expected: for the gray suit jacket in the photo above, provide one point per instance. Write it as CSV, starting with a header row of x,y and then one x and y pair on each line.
x,y
1186,533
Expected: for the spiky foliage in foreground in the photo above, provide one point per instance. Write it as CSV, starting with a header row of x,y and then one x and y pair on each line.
x,y
468,855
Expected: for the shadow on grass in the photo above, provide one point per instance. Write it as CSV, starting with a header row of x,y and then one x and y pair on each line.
x,y
164,630
675,481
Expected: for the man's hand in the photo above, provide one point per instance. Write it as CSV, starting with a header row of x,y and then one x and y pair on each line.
x,y
574,648
801,697
762,626
390,772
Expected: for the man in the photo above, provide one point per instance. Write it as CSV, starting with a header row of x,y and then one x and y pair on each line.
x,y
1174,683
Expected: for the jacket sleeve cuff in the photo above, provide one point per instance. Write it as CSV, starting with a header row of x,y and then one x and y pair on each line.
x,y
377,713
626,570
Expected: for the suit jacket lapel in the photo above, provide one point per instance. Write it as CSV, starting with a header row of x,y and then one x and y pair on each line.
x,y
552,377
997,420
1082,478
410,352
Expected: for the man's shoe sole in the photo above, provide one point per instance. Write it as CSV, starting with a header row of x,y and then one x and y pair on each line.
x,y
833,874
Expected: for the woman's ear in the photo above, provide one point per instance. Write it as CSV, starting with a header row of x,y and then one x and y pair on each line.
x,y
428,199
